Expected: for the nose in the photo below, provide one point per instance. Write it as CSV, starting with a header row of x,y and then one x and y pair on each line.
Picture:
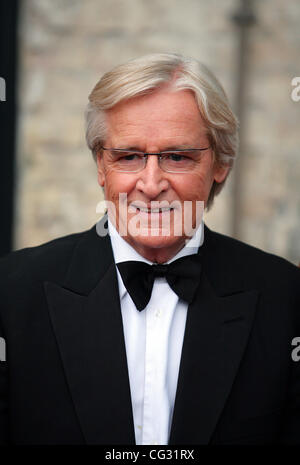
x,y
152,179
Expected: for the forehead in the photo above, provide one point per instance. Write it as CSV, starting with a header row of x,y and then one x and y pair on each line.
x,y
158,116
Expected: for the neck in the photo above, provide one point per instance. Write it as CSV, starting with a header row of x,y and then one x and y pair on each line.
x,y
156,250
160,254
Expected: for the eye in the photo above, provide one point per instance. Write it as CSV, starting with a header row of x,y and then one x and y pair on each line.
x,y
177,157
126,155
131,156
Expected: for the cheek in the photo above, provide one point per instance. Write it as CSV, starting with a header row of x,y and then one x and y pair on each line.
x,y
194,187
117,183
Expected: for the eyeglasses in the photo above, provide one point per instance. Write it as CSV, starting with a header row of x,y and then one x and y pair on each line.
x,y
171,161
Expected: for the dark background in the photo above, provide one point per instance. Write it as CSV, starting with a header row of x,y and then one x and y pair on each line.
x,y
8,71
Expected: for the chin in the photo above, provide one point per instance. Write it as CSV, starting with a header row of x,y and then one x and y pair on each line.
x,y
144,244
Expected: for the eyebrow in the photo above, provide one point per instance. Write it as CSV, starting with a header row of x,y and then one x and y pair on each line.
x,y
167,149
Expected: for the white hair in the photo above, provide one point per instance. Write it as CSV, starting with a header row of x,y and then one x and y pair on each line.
x,y
150,72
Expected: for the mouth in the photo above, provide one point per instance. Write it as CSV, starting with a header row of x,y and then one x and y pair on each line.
x,y
151,210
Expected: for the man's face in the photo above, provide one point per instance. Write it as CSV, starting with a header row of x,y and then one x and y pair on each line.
x,y
156,122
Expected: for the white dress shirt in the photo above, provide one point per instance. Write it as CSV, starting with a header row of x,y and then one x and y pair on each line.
x,y
153,340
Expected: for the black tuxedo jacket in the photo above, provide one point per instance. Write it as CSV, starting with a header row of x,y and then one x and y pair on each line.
x,y
65,378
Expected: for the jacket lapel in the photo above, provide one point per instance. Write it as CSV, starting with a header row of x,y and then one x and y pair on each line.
x,y
217,329
86,318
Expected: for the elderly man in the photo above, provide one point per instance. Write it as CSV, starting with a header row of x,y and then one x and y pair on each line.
x,y
149,328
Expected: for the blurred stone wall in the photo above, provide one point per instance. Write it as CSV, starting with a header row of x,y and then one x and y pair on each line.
x,y
67,44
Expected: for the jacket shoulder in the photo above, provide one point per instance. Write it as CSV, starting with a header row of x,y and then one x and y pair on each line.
x,y
248,264
41,259
240,251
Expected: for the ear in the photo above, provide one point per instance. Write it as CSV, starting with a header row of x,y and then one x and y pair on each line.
x,y
220,173
100,169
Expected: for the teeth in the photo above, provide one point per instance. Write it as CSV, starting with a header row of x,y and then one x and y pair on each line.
x,y
154,210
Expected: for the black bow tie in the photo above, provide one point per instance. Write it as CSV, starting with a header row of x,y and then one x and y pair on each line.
x,y
182,275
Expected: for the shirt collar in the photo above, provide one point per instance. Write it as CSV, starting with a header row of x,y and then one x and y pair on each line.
x,y
123,251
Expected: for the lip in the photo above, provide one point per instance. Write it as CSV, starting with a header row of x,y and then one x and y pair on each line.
x,y
152,210
154,206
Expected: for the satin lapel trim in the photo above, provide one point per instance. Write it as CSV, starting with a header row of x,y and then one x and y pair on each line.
x,y
90,337
216,334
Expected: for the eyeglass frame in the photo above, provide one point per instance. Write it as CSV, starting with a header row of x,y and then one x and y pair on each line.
x,y
159,154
